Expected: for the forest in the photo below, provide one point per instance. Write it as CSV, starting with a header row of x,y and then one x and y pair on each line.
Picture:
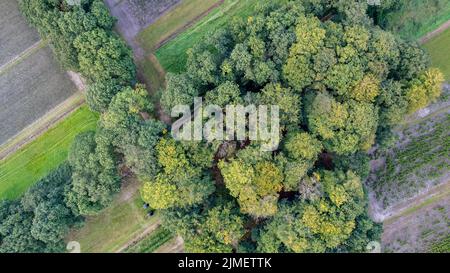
x,y
341,83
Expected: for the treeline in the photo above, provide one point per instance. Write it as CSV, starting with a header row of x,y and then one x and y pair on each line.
x,y
83,41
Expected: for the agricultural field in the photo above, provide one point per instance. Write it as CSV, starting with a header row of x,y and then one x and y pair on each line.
x,y
443,246
36,159
15,35
175,21
29,89
134,15
31,81
412,19
172,55
439,48
118,225
167,27
418,161
421,229
409,187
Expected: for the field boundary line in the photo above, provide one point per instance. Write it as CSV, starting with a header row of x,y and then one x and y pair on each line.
x,y
186,26
41,125
152,227
427,198
22,56
430,35
175,245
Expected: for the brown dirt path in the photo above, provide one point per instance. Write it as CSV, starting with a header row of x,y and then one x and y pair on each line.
x,y
434,33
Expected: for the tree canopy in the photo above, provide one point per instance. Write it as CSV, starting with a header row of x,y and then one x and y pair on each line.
x,y
341,84
40,220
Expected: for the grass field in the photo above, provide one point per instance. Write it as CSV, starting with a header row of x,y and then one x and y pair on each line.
x,y
439,49
172,55
174,20
15,35
152,242
415,18
38,158
29,89
115,226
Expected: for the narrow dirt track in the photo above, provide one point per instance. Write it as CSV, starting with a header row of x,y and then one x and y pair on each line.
x,y
434,33
27,51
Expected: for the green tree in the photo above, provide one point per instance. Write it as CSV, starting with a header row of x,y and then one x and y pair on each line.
x,y
180,91
103,56
321,225
254,181
215,229
182,181
285,98
93,184
100,94
424,90
15,224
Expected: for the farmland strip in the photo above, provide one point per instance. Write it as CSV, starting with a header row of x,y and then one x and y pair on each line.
x,y
35,47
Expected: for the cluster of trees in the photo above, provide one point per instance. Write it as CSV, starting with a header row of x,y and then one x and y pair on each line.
x,y
126,135
341,84
39,221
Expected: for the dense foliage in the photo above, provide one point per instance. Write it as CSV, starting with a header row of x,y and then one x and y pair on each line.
x,y
83,40
39,221
341,84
